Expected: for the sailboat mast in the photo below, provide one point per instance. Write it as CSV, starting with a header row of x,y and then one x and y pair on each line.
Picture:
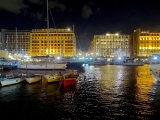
x,y
16,44
48,30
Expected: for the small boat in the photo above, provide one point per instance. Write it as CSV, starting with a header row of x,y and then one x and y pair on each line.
x,y
9,80
129,63
70,77
98,63
33,78
133,64
69,81
156,74
53,77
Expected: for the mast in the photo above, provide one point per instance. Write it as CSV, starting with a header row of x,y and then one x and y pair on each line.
x,y
16,44
48,46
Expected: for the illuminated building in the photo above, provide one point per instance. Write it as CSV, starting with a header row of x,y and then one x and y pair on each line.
x,y
111,45
15,42
145,43
59,42
39,42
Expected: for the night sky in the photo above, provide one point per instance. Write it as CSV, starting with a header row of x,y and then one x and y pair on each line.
x,y
89,17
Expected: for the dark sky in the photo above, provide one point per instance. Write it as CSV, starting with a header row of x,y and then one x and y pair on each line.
x,y
89,17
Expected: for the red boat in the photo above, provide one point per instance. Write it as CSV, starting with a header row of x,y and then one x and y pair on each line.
x,y
69,81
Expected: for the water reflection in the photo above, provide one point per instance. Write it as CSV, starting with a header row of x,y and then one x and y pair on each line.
x,y
11,93
123,87
107,92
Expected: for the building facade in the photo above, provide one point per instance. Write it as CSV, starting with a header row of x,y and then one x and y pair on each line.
x,y
111,45
39,42
17,43
55,42
145,43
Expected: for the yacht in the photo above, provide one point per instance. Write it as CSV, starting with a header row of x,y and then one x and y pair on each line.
x,y
154,66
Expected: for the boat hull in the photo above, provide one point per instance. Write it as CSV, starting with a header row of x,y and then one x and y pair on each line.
x,y
33,80
154,66
155,71
10,81
156,74
130,64
53,78
69,81
43,66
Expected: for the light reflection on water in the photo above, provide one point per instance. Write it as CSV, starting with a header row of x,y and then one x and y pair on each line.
x,y
107,92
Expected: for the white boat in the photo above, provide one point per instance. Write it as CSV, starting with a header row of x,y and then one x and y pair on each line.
x,y
129,63
46,65
155,71
154,66
53,77
133,64
33,78
11,80
97,63
43,66
156,74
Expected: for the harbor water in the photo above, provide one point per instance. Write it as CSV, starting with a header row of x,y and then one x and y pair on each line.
x,y
108,92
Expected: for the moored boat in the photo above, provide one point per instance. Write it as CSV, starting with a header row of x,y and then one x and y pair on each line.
x,y
156,74
53,77
70,77
43,66
154,66
33,78
9,80
98,63
132,64
69,81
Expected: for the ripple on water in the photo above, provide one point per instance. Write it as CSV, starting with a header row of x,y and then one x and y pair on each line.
x,y
107,92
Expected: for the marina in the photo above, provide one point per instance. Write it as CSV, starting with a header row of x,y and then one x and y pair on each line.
x,y
106,92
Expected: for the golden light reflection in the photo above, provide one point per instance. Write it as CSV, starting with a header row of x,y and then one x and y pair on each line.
x,y
144,82
144,86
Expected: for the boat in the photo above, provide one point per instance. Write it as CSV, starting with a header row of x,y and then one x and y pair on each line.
x,y
43,66
10,80
120,60
132,64
53,77
154,66
69,78
156,74
69,81
129,63
97,63
33,78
